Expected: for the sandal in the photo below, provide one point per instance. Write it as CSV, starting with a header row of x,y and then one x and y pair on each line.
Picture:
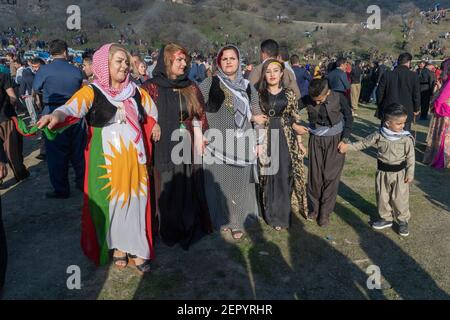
x,y
142,268
120,262
237,234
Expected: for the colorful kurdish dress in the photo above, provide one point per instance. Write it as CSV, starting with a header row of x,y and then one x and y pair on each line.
x,y
116,210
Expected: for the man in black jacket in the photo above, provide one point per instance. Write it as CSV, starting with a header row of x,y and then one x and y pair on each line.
x,y
378,70
400,86
427,83
355,78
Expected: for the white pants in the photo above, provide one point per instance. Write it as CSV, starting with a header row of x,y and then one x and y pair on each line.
x,y
29,102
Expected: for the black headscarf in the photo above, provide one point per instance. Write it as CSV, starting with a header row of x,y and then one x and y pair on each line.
x,y
162,80
167,102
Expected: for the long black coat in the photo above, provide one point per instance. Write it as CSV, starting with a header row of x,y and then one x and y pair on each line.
x,y
399,86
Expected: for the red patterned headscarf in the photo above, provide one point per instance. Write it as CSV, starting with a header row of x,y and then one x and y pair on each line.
x,y
100,67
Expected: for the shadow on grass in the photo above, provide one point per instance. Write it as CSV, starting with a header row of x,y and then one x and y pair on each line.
x,y
403,273
210,262
314,269
47,239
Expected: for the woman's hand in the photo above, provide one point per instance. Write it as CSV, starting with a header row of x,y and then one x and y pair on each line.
x,y
259,150
156,132
200,141
51,120
300,130
259,119
302,148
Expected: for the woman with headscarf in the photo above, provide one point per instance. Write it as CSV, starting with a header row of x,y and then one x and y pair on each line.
x,y
281,153
230,173
181,206
437,152
121,119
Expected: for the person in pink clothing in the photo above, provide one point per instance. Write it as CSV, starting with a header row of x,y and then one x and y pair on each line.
x,y
437,153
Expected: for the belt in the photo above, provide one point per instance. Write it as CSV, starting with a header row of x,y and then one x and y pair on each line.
x,y
391,167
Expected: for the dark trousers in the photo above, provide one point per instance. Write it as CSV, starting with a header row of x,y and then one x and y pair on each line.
x,y
425,97
68,147
325,168
13,144
3,252
408,126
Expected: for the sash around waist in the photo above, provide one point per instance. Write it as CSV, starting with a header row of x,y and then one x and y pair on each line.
x,y
327,131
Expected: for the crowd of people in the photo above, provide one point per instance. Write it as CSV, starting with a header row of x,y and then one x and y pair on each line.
x,y
434,48
191,144
434,15
14,40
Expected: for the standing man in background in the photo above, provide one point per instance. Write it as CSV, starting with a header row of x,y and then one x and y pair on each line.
x,y
355,78
401,86
58,81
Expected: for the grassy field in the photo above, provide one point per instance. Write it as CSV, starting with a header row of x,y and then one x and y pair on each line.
x,y
305,262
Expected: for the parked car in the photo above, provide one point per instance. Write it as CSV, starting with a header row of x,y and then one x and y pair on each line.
x,y
147,59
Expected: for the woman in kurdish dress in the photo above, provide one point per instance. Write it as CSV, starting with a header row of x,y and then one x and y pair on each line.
x,y
230,173
182,210
281,153
437,153
121,119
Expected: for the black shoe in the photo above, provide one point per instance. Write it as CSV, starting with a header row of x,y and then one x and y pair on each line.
x,y
9,184
26,176
54,195
42,157
312,216
381,224
403,229
324,221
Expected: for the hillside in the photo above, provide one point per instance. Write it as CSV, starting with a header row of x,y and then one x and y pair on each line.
x,y
206,25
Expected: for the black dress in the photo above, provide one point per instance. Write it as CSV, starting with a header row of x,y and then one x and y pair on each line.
x,y
182,210
277,186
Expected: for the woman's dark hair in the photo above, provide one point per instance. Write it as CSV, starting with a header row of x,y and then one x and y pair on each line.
x,y
394,110
262,85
